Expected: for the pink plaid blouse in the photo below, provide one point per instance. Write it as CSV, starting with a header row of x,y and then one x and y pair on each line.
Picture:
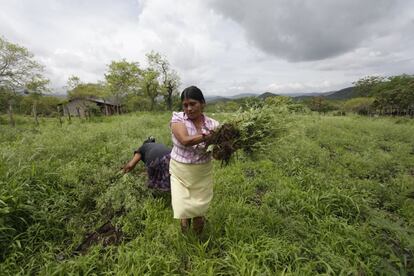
x,y
191,154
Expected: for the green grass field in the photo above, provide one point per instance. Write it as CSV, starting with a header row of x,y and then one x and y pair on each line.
x,y
333,196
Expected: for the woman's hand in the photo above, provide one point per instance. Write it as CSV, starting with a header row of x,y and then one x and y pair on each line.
x,y
131,164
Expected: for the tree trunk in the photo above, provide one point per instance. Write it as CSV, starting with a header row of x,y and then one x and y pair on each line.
x,y
169,99
78,111
35,113
10,111
60,118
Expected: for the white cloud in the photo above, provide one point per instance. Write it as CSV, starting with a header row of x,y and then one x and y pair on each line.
x,y
298,87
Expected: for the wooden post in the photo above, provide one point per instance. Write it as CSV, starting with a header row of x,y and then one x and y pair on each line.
x,y
69,117
117,104
35,113
77,110
10,111
60,118
106,108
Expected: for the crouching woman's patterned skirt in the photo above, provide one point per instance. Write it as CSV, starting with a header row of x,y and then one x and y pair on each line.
x,y
158,174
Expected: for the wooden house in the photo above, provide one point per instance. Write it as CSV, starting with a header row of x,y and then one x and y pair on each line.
x,y
84,107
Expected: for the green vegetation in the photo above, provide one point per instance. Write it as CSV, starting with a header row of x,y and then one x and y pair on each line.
x,y
126,86
371,95
129,87
393,95
252,130
333,196
19,70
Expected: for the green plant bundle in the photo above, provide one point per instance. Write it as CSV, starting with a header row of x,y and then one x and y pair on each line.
x,y
251,131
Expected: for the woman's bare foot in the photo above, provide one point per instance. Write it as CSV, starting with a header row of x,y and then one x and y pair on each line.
x,y
198,225
185,225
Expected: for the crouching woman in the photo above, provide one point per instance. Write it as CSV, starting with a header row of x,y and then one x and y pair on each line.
x,y
190,165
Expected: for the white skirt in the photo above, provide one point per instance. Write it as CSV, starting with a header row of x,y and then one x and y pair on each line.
x,y
191,188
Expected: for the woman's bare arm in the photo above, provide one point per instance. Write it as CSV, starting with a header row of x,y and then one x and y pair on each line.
x,y
180,132
131,164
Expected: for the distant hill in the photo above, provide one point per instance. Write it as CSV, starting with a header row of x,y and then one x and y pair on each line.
x,y
342,94
243,95
267,95
215,99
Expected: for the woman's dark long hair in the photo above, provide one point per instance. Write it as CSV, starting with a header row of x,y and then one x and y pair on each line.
x,y
194,93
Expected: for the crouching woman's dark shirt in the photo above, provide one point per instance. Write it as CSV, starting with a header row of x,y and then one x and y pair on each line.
x,y
157,161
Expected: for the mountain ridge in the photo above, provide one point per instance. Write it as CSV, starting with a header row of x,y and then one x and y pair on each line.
x,y
341,94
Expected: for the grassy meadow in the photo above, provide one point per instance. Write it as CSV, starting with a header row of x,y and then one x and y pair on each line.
x,y
333,196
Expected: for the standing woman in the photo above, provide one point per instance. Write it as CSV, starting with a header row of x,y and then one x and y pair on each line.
x,y
190,165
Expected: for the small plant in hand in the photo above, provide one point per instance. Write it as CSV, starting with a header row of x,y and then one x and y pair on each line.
x,y
252,131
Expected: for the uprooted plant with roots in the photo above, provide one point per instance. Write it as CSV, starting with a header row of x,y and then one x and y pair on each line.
x,y
251,131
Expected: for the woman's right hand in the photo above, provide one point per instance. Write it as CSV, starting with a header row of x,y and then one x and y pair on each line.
x,y
131,164
128,167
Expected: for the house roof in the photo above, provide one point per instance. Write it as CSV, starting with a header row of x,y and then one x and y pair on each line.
x,y
111,101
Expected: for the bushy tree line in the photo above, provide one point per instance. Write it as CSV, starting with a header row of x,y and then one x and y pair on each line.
x,y
132,86
20,74
392,95
372,95
23,85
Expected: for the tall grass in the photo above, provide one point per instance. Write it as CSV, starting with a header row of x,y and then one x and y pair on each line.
x,y
335,196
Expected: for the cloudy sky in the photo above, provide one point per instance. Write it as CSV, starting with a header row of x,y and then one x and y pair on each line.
x,y
224,47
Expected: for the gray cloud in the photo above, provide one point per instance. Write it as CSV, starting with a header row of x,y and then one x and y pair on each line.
x,y
301,30
225,48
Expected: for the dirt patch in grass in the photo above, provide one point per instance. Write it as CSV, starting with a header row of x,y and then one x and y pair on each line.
x,y
106,235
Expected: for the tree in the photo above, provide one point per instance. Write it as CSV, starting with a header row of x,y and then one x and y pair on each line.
x,y
398,94
17,68
87,90
393,95
361,106
73,82
320,104
17,65
171,88
367,86
169,79
149,85
45,105
36,87
123,78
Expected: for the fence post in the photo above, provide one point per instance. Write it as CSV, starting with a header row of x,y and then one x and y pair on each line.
x,y
34,110
60,118
10,111
78,111
67,111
